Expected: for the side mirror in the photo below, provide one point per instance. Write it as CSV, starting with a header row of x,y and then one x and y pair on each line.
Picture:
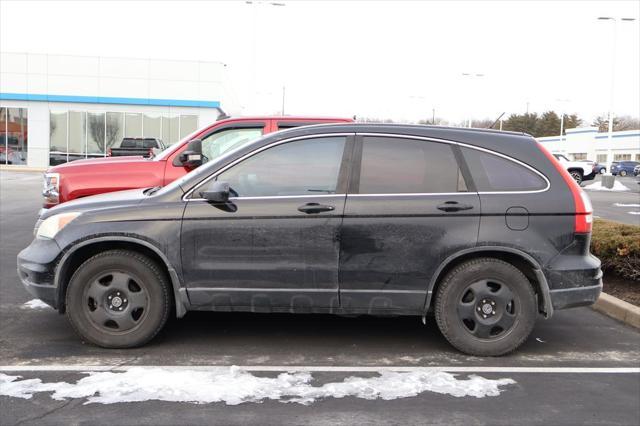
x,y
192,156
216,192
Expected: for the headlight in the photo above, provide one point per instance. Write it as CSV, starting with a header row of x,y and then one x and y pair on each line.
x,y
51,188
52,225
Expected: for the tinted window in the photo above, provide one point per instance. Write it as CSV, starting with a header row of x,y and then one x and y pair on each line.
x,y
131,143
305,167
216,144
493,173
150,143
407,166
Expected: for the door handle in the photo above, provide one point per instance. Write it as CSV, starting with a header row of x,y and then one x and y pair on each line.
x,y
311,208
453,206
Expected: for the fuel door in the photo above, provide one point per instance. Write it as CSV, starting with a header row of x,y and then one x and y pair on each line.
x,y
517,218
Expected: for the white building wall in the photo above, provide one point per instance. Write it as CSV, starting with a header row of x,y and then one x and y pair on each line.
x,y
43,83
587,142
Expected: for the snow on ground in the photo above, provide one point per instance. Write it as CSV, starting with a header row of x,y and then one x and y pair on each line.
x,y
633,212
597,186
35,304
235,386
626,205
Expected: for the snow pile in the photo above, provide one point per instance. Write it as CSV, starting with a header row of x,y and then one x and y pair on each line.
x,y
235,386
597,186
35,304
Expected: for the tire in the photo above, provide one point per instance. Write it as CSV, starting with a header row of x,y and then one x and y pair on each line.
x,y
118,299
603,170
576,175
623,173
466,294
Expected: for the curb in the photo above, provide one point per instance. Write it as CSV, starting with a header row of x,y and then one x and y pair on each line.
x,y
5,168
618,309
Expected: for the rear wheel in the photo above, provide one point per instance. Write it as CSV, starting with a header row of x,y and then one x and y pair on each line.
x,y
576,175
118,299
623,173
603,170
486,307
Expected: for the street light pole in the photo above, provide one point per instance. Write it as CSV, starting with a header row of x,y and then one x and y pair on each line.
x,y
614,41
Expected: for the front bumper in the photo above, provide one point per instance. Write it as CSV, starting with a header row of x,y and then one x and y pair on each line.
x,y
36,270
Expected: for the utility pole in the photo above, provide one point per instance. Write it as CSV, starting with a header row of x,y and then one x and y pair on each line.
x,y
471,76
283,89
433,116
614,41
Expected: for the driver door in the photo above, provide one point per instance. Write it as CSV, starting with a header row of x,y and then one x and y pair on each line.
x,y
274,245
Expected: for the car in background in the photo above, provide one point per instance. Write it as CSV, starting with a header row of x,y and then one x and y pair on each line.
x,y
596,167
483,228
82,178
636,170
623,168
579,170
136,146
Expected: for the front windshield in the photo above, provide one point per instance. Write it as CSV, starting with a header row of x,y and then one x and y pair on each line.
x,y
163,155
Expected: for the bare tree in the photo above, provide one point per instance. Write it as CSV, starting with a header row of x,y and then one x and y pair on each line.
x,y
96,127
113,130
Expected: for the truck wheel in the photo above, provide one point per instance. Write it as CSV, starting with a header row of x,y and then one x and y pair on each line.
x,y
623,173
576,175
486,307
118,299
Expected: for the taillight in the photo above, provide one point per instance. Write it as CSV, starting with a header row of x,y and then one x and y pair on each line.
x,y
583,208
109,152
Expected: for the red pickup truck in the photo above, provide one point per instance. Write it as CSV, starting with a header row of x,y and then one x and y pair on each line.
x,y
82,178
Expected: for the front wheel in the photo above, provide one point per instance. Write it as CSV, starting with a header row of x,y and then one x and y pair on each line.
x,y
118,299
577,176
486,307
623,173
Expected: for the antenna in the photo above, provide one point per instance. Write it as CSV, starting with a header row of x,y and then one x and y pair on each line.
x,y
496,122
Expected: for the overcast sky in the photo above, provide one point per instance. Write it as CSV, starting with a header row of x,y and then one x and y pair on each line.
x,y
394,60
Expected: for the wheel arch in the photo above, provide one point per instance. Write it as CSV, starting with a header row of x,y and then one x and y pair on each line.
x,y
528,265
85,249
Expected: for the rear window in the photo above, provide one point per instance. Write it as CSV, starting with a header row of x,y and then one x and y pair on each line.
x,y
131,143
408,166
494,173
150,143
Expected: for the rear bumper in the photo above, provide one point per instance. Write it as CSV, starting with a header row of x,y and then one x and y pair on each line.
x,y
574,297
574,281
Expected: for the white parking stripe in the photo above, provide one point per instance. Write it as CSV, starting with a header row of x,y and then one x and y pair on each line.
x,y
329,369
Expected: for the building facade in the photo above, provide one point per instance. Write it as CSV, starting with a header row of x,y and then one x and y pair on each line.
x,y
585,143
58,108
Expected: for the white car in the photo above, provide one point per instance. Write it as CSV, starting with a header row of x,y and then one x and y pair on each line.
x,y
579,170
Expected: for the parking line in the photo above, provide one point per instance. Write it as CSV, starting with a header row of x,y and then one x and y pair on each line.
x,y
328,369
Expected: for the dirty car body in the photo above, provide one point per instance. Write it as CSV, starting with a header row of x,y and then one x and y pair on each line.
x,y
350,219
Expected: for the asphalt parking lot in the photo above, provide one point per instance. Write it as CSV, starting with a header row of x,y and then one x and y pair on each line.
x,y
577,368
619,206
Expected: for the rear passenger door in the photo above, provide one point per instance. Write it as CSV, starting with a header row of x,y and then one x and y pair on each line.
x,y
408,208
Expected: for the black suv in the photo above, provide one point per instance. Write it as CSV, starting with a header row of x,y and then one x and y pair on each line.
x,y
483,228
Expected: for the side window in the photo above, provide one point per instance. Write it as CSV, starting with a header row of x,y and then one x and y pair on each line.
x,y
304,167
408,166
218,143
493,173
